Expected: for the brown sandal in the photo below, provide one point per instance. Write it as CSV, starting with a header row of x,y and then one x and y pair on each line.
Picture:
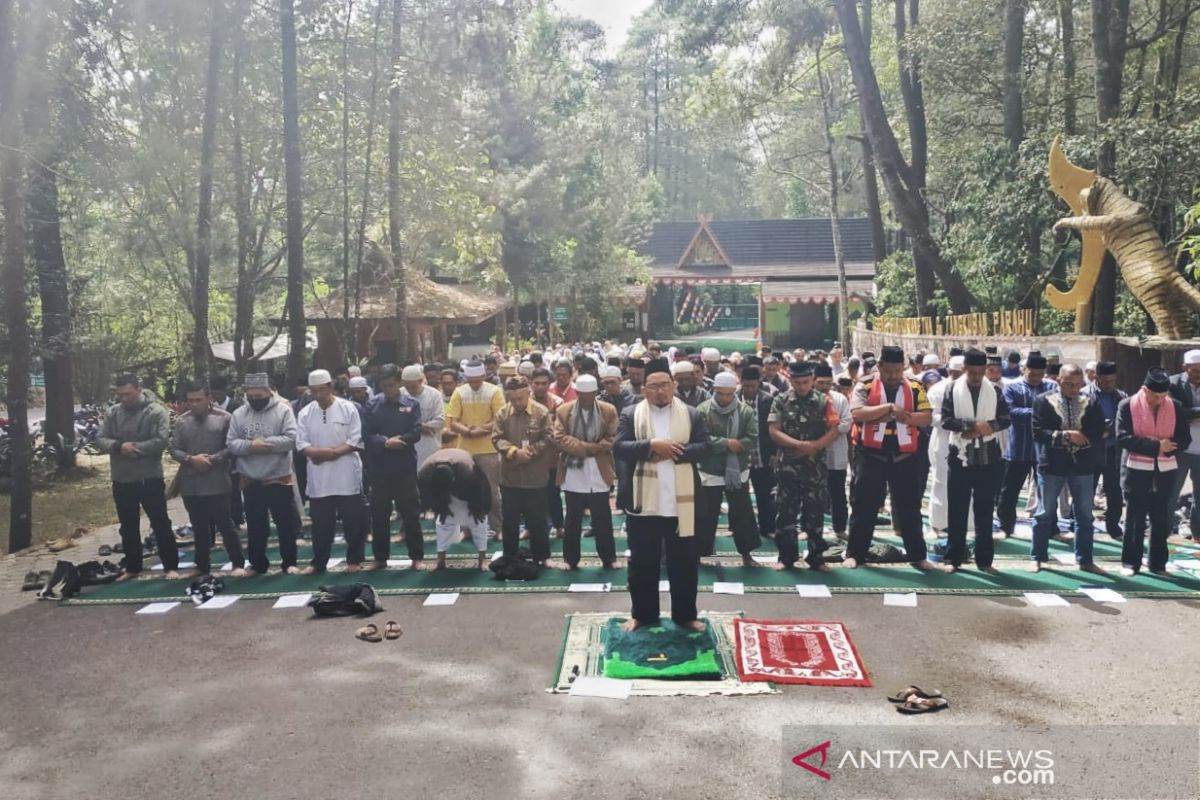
x,y
369,633
392,630
912,691
923,705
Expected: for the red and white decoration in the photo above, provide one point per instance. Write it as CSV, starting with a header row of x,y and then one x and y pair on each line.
x,y
781,651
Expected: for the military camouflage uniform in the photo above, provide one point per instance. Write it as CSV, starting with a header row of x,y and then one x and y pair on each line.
x,y
803,484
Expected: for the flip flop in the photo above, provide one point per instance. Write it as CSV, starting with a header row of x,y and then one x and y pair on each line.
x,y
105,550
923,705
369,633
392,630
912,691
32,581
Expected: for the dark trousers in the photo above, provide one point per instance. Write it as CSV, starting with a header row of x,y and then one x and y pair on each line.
x,y
970,488
602,526
237,511
131,499
741,519
399,491
300,465
1146,493
873,478
839,509
1015,474
647,538
763,481
1114,501
530,505
554,501
205,511
264,503
325,511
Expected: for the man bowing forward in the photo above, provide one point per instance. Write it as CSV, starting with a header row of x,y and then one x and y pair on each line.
x,y
658,443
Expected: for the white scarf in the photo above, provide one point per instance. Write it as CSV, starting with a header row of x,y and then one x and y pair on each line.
x,y
964,409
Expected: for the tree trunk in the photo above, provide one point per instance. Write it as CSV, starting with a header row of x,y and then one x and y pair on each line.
x,y
49,260
243,312
13,282
208,146
870,178
1110,23
347,344
1066,18
294,231
366,187
1014,42
394,187
835,227
897,175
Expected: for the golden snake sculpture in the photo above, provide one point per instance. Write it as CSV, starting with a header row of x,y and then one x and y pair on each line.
x,y
1107,219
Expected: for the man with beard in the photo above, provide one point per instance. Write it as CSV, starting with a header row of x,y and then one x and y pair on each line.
x,y
686,379
614,394
725,470
584,431
1104,394
762,474
837,454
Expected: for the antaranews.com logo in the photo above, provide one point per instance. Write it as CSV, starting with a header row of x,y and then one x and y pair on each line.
x,y
960,762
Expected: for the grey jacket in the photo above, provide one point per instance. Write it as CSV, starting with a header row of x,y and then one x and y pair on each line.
x,y
148,426
194,436
277,425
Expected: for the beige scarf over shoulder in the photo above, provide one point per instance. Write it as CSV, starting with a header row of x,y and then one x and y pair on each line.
x,y
645,476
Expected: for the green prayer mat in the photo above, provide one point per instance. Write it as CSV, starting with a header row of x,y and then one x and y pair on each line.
x,y
664,652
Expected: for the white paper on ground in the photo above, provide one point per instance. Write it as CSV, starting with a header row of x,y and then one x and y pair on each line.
x,y
664,586
292,601
156,608
1101,594
182,565
765,559
728,587
1064,558
497,554
441,599
335,562
589,587
903,599
628,554
813,590
399,562
1187,563
1046,600
339,539
227,566
220,601
596,686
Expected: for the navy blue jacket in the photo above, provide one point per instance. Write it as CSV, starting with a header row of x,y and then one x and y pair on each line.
x,y
384,419
628,451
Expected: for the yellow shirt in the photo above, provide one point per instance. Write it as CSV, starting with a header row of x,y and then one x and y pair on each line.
x,y
475,408
448,441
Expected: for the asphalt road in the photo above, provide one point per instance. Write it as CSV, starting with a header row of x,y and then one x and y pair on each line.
x,y
250,702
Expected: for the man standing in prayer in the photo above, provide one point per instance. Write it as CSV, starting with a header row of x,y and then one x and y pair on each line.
x,y
660,440
522,438
614,394
452,486
888,412
433,409
1068,428
725,470
1185,387
564,371
762,474
973,410
803,423
686,379
1104,394
1020,457
584,431
198,445
471,414
329,434
134,433
939,451
635,370
539,381
393,432
222,399
837,454
262,436
1152,427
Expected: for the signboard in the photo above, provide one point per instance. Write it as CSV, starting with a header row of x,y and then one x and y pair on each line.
x,y
778,318
560,313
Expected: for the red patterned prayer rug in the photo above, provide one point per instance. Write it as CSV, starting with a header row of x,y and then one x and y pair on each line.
x,y
819,653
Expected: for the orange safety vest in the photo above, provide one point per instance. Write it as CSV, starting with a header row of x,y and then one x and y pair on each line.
x,y
871,434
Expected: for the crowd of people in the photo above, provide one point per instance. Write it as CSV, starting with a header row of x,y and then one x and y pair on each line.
x,y
524,445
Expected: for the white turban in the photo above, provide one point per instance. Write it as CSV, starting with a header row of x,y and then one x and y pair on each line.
x,y
931,360
319,377
710,354
725,380
358,382
474,370
586,384
680,367
610,372
413,372
1191,357
957,362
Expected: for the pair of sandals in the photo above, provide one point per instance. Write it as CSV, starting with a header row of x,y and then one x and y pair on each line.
x,y
35,580
914,700
371,633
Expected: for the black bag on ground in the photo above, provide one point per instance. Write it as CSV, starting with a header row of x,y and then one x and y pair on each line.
x,y
63,583
520,567
93,573
205,588
877,553
345,601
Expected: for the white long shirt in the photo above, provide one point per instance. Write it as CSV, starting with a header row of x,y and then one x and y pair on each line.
x,y
660,418
433,413
332,427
